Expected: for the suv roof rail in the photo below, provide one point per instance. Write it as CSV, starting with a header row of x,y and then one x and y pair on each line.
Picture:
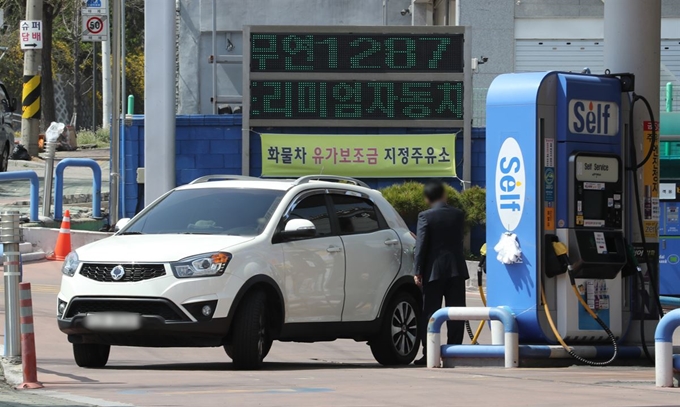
x,y
209,178
309,178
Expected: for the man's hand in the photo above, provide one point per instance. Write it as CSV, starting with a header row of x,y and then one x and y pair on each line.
x,y
418,279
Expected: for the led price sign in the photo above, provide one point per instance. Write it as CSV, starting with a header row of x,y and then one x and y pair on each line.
x,y
356,53
357,100
341,76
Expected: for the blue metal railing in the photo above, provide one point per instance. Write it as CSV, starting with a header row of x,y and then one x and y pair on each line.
x,y
35,188
96,185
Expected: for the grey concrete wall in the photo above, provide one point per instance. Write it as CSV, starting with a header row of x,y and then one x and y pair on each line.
x,y
577,8
195,78
492,33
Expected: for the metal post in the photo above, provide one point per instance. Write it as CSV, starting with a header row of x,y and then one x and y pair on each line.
x,y
384,12
30,121
106,84
10,238
50,149
159,92
94,86
214,56
115,125
632,43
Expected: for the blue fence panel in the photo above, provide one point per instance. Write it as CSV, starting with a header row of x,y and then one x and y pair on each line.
x,y
208,145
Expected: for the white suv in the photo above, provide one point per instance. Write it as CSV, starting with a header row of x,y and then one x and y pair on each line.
x,y
240,262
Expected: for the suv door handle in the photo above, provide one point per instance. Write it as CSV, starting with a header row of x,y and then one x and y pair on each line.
x,y
334,249
391,242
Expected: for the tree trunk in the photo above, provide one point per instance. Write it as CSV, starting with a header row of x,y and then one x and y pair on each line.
x,y
48,108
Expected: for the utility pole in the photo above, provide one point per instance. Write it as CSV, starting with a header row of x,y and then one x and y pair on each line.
x,y
31,42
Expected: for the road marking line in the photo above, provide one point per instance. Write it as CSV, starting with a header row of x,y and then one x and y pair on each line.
x,y
258,391
79,399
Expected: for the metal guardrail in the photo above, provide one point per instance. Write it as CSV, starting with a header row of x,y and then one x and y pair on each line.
x,y
35,188
96,185
511,338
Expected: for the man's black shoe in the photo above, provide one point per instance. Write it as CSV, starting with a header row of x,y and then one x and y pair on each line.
x,y
421,362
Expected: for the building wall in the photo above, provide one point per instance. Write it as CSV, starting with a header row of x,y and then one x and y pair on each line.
x,y
195,79
494,28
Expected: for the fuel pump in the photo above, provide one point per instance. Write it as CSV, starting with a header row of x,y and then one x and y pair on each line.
x,y
669,238
557,161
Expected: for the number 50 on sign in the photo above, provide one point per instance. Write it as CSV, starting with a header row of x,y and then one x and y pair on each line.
x,y
95,27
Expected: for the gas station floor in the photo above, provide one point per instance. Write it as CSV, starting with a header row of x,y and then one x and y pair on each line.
x,y
339,374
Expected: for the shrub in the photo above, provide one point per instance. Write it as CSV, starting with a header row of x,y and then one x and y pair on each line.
x,y
100,137
407,199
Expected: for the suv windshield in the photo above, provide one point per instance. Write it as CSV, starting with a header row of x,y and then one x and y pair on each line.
x,y
210,211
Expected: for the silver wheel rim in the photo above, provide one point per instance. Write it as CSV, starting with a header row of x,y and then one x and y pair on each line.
x,y
404,328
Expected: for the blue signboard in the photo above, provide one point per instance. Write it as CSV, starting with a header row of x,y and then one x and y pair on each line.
x,y
94,3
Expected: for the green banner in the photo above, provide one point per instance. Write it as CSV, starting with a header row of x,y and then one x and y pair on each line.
x,y
369,156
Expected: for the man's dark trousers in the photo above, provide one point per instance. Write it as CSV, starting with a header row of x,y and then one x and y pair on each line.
x,y
453,292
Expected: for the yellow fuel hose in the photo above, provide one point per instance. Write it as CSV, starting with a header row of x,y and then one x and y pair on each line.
x,y
592,314
481,324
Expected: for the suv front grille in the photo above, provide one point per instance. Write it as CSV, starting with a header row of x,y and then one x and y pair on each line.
x,y
133,272
150,307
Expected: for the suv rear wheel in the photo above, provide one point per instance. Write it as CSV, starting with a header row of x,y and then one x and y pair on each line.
x,y
91,354
251,338
398,341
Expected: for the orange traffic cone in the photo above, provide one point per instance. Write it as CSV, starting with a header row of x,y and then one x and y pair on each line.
x,y
63,247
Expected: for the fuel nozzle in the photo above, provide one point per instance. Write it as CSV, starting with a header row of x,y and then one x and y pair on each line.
x,y
562,254
481,267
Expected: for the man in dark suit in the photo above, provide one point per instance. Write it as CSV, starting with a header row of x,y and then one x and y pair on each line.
x,y
440,267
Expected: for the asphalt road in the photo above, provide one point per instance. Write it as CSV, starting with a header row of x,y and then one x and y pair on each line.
x,y
340,373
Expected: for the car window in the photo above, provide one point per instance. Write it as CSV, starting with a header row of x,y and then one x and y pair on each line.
x,y
210,211
314,209
355,215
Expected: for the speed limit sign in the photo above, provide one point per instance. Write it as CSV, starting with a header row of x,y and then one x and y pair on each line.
x,y
95,28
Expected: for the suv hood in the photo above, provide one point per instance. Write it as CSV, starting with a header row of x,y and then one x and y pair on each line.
x,y
155,248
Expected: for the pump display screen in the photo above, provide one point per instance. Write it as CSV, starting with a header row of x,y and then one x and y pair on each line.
x,y
593,205
596,197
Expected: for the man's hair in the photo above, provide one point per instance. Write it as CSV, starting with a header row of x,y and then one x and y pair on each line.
x,y
434,191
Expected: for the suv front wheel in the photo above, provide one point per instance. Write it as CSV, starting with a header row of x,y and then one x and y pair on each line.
x,y
91,355
251,338
397,343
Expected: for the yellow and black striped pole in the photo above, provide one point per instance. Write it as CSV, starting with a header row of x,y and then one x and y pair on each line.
x,y
30,100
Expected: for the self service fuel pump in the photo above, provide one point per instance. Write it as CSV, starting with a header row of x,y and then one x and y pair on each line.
x,y
558,184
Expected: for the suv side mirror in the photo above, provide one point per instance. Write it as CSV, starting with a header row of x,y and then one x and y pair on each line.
x,y
298,228
121,224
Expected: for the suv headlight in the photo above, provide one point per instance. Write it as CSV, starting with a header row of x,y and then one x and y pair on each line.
x,y
204,265
70,265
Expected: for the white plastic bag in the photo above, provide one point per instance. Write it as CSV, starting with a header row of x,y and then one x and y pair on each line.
x,y
54,131
508,249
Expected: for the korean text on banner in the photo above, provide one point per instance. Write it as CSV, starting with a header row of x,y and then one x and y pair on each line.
x,y
421,155
650,182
